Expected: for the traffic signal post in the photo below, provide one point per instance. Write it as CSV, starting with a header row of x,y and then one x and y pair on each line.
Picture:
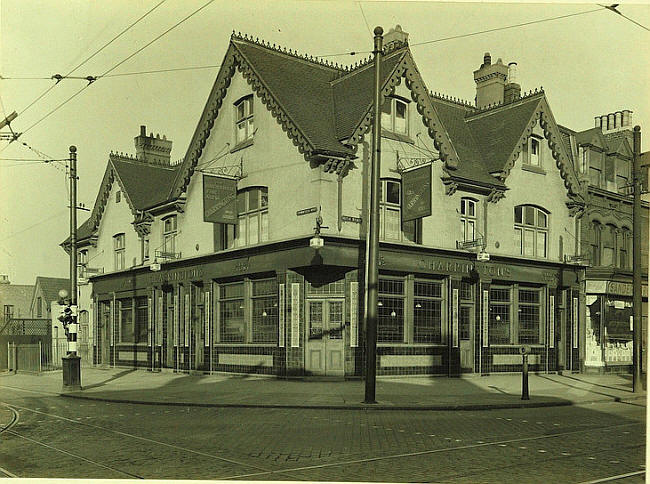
x,y
72,361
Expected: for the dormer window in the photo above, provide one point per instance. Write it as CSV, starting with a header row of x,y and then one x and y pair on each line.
x,y
394,115
244,119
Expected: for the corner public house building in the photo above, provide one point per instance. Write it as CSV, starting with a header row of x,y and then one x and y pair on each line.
x,y
206,264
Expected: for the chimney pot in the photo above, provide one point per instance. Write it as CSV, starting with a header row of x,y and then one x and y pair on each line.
x,y
143,130
512,72
487,59
597,121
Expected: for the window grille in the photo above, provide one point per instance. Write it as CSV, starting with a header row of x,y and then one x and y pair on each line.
x,y
500,310
390,321
265,311
529,316
427,311
333,288
231,313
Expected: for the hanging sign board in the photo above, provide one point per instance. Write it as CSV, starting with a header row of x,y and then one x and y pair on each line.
x,y
416,193
219,199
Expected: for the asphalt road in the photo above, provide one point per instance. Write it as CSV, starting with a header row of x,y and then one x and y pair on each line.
x,y
59,437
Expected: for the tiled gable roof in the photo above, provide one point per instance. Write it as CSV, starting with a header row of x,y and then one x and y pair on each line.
x,y
471,166
498,131
50,287
145,185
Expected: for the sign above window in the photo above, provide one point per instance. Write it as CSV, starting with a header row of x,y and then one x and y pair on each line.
x,y
219,200
416,193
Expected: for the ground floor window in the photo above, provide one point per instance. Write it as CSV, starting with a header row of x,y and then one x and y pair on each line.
x,y
390,320
248,311
516,315
133,314
427,312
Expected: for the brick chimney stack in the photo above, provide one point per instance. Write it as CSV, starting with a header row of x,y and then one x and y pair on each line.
x,y
395,37
512,90
152,150
490,82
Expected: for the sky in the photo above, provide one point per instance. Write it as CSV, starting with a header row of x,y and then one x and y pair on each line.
x,y
589,64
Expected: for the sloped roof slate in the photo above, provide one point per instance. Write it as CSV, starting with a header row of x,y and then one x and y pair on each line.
x,y
497,132
50,287
145,185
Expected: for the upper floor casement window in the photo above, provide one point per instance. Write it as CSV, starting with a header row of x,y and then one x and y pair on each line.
x,y
244,127
145,248
391,226
533,152
624,241
531,231
253,209
608,253
394,115
39,307
118,252
468,219
118,196
596,169
170,231
83,257
623,177
597,232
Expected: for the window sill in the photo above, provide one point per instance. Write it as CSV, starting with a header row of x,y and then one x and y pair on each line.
x,y
533,169
242,145
396,136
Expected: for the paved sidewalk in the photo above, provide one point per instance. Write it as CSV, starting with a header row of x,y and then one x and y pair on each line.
x,y
427,393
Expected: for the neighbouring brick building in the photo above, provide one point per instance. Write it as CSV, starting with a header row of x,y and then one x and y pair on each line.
x,y
15,300
206,264
603,158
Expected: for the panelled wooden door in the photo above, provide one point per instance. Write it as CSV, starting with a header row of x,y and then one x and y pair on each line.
x,y
324,352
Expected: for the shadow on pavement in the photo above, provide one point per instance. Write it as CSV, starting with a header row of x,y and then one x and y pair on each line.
x,y
112,378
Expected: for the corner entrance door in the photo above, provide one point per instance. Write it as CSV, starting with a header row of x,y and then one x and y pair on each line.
x,y
324,346
466,329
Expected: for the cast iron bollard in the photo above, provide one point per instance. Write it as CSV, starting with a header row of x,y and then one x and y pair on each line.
x,y
524,372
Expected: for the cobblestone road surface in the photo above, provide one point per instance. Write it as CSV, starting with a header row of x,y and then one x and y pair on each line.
x,y
58,437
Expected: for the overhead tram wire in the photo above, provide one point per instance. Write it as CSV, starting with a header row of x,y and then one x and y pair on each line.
x,y
364,18
470,34
93,54
613,8
118,64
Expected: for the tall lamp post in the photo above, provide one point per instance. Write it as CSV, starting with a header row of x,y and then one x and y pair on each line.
x,y
72,361
373,239
637,327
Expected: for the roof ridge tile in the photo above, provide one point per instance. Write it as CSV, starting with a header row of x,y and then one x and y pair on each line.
x,y
283,50
494,106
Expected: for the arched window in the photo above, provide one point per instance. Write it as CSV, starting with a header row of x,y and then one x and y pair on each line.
x,y
531,231
596,239
390,225
626,237
609,246
253,209
468,219
118,252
